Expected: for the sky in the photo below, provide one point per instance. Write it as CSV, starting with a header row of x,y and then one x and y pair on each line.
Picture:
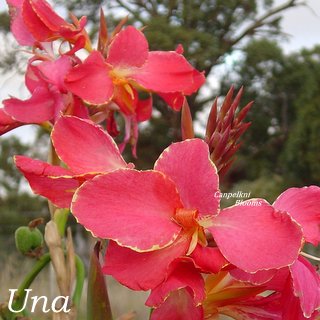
x,y
301,24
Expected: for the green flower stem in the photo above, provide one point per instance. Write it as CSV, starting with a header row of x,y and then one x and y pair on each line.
x,y
38,266
150,314
80,276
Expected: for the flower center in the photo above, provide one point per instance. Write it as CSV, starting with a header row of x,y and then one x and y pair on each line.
x,y
187,219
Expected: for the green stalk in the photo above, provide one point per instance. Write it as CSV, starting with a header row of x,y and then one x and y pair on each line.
x,y
26,283
80,276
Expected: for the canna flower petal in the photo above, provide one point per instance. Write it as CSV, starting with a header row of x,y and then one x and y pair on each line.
x,y
182,274
129,48
99,153
53,182
7,123
54,72
245,235
306,286
303,205
40,19
258,278
144,109
90,80
177,76
208,259
18,27
40,107
174,100
136,270
178,306
133,208
258,308
188,165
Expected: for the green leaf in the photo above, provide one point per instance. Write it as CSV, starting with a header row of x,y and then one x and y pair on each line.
x,y
98,305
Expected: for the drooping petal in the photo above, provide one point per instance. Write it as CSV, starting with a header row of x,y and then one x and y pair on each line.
x,y
177,76
38,108
306,285
144,109
137,270
188,165
90,80
53,182
182,274
133,208
99,153
174,100
129,48
303,205
209,260
245,235
178,306
18,27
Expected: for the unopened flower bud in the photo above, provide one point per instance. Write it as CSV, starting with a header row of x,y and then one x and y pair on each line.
x,y
28,239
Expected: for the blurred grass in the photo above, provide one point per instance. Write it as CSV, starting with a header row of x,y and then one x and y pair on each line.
x,y
13,267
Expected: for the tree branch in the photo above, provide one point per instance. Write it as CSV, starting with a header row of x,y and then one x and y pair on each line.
x,y
134,13
262,20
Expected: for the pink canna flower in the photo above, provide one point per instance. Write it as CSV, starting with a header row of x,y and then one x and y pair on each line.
x,y
49,97
35,21
165,213
99,154
130,68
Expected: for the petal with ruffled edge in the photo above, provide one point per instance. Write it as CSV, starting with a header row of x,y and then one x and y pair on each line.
x,y
38,108
99,153
34,24
177,75
245,235
129,48
209,260
18,27
53,182
182,273
188,165
142,270
90,80
133,208
306,286
47,15
303,205
178,306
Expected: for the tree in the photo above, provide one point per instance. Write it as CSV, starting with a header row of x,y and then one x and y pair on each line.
x,y
284,137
